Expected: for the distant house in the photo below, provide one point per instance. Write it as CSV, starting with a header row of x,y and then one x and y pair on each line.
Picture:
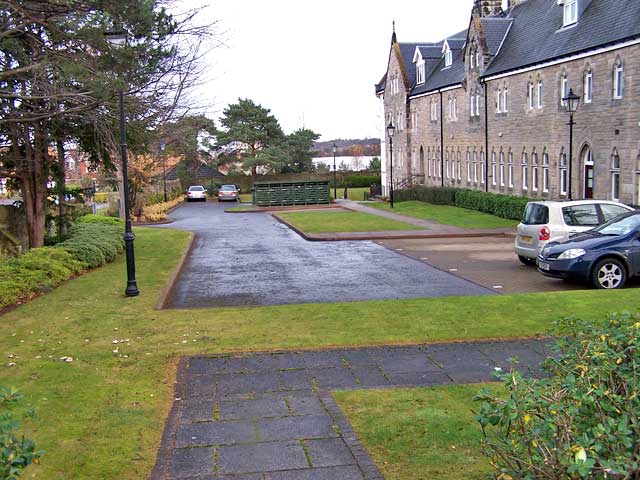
x,y
202,175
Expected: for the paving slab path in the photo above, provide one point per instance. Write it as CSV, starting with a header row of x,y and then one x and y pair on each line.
x,y
271,416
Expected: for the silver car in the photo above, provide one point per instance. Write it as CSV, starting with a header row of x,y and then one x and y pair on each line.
x,y
548,221
196,193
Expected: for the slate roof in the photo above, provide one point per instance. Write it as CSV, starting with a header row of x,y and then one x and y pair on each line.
x,y
380,86
407,50
537,35
443,77
495,29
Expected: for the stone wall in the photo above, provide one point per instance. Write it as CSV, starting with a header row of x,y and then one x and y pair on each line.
x,y
13,231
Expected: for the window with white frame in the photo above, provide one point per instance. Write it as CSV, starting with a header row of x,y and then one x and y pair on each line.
x,y
455,108
531,96
475,167
615,175
472,55
459,165
588,86
477,103
570,12
545,172
477,57
446,163
540,91
498,100
564,89
563,172
501,168
482,165
493,168
505,99
468,166
429,160
448,55
510,169
420,72
450,103
525,171
472,108
439,161
534,171
618,80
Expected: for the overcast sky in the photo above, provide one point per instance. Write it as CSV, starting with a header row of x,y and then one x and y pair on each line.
x,y
314,64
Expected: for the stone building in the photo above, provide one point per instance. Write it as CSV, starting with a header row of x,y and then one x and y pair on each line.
x,y
484,108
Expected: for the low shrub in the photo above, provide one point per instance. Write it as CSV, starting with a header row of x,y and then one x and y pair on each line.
x,y
102,219
100,197
16,453
582,419
505,206
158,212
356,181
433,195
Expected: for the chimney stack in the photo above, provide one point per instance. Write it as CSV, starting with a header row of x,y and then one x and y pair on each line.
x,y
487,8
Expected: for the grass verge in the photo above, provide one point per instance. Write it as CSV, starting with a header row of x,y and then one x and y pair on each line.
x,y
356,194
342,221
420,433
102,415
446,214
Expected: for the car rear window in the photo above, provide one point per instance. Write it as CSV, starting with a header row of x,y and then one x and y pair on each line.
x,y
535,214
227,188
612,211
581,216
196,189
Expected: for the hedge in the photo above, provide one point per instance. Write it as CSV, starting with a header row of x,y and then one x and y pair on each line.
x,y
355,181
93,242
504,206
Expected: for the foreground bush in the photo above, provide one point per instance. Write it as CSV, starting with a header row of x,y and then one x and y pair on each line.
x,y
583,421
16,453
158,212
92,242
433,195
359,181
102,219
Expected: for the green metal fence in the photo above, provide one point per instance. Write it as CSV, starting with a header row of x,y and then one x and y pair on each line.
x,y
266,194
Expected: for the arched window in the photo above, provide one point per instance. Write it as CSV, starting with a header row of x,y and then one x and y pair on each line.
x,y
493,168
422,179
482,162
564,88
501,168
615,175
545,171
446,163
534,170
429,160
459,164
618,80
588,85
505,98
510,169
498,100
563,172
475,166
525,171
587,163
468,166
531,94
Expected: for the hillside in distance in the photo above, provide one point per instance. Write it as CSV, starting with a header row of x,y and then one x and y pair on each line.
x,y
368,147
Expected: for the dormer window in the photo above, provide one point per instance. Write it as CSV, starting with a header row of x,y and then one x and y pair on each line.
x,y
447,54
570,12
420,72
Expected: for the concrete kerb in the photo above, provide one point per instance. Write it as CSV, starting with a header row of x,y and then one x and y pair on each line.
x,y
382,235
168,289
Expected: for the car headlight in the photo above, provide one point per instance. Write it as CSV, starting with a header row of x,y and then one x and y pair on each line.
x,y
572,253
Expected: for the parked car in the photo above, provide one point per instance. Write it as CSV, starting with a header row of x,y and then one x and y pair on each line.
x,y
228,193
196,192
606,255
549,221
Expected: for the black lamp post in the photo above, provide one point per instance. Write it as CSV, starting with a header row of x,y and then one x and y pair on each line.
x,y
390,131
571,102
119,39
164,172
335,190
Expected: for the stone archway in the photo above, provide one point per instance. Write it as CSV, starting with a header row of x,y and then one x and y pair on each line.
x,y
423,178
588,175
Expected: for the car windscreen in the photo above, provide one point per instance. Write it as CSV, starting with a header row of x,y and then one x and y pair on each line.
x,y
228,188
535,214
620,225
196,189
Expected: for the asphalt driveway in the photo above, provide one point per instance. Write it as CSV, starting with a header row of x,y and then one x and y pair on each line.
x,y
252,259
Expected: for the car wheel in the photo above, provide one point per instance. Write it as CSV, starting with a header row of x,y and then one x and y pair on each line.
x,y
609,273
529,262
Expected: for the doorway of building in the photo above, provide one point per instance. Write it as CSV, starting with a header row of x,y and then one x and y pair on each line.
x,y
587,161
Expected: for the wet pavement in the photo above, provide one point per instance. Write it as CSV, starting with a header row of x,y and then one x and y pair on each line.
x,y
252,259
271,415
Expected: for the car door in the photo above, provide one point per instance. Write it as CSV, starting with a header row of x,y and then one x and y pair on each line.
x,y
580,218
635,252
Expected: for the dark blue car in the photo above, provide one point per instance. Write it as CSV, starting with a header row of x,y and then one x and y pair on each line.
x,y
606,256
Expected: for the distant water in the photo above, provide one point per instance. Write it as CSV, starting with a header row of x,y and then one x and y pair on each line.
x,y
353,163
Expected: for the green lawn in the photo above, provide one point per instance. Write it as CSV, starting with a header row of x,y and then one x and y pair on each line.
x,y
342,221
355,194
102,415
246,197
446,214
420,433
